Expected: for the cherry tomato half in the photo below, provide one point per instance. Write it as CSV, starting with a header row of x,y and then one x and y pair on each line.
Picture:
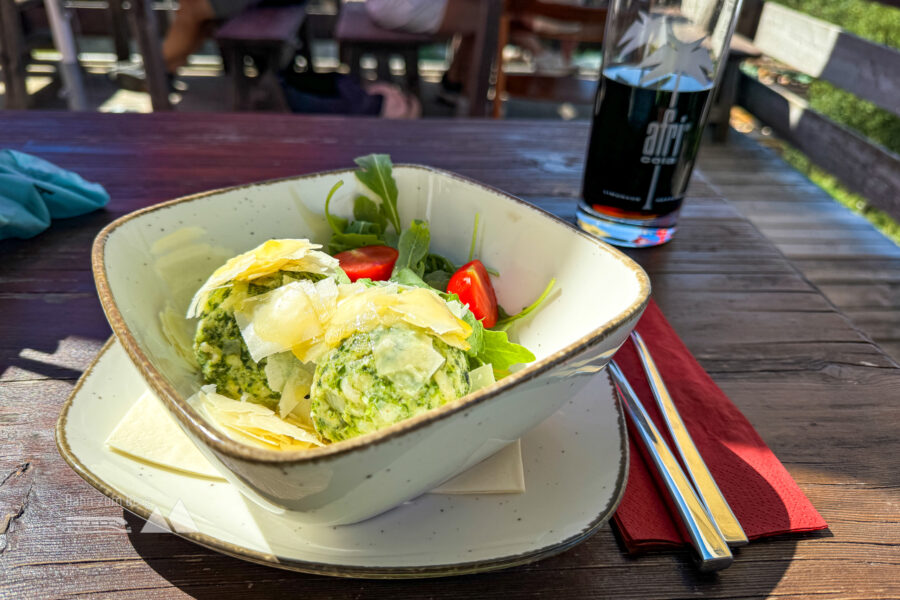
x,y
472,284
368,262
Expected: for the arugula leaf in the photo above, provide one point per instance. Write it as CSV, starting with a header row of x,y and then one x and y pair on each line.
x,y
413,247
507,320
337,224
502,353
438,279
436,262
365,209
392,239
340,242
407,276
364,227
475,339
375,173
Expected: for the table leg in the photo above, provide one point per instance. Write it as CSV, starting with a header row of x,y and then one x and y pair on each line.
x,y
119,27
484,55
411,58
383,65
12,56
306,49
143,22
234,66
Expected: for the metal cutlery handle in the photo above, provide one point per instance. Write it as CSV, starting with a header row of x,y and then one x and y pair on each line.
x,y
712,550
703,481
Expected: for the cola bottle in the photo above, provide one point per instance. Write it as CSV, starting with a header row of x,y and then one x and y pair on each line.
x,y
659,71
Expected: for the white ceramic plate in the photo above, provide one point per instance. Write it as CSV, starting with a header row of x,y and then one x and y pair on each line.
x,y
575,468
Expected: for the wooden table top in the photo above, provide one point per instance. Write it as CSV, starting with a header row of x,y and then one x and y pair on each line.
x,y
819,392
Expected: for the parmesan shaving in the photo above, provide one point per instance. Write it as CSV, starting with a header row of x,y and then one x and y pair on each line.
x,y
272,256
253,424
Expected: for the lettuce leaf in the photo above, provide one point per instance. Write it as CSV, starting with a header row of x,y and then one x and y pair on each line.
x,y
502,353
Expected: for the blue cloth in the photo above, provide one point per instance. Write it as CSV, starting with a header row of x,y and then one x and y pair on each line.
x,y
33,191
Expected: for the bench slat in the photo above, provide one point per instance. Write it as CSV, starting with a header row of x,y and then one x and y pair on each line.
x,y
826,51
262,25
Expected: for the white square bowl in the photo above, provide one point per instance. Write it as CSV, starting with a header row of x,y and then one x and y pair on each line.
x,y
153,260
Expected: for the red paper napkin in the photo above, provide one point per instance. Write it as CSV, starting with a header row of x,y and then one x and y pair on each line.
x,y
762,495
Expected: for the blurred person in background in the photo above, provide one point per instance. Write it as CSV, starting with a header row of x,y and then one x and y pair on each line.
x,y
439,17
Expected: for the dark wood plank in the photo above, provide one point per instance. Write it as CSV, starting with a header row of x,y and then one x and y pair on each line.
x,y
880,295
815,387
835,249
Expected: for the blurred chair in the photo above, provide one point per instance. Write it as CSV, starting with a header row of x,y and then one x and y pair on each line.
x,y
17,37
358,35
145,29
14,54
567,23
271,36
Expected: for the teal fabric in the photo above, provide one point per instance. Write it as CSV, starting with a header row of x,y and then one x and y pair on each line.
x,y
34,191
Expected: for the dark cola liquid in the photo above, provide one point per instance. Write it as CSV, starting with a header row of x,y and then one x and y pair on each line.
x,y
643,145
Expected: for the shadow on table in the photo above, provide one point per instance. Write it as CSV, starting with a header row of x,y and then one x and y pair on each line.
x,y
52,323
598,567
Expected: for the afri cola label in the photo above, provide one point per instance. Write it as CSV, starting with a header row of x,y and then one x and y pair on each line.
x,y
645,134
665,138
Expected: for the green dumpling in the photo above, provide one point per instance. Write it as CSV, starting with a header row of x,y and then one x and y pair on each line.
x,y
378,378
220,350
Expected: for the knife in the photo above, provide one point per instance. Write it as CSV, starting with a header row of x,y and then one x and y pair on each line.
x,y
712,551
703,481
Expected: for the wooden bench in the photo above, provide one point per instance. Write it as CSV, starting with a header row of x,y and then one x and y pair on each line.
x,y
271,37
825,51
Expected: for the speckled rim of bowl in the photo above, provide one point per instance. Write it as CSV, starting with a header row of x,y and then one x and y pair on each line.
x,y
198,425
331,569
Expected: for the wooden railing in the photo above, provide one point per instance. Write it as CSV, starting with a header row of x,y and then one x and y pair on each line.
x,y
825,51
